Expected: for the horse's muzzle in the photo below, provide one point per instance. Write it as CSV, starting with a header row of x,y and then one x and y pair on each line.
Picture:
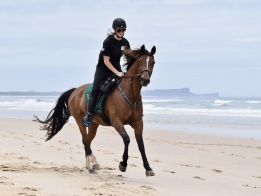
x,y
144,82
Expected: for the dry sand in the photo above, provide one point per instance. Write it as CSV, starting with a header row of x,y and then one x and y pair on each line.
x,y
185,163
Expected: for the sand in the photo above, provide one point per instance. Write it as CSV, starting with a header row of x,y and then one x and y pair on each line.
x,y
185,163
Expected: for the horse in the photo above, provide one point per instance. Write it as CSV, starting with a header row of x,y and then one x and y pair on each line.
x,y
123,106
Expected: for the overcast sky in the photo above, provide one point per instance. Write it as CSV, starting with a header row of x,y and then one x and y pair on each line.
x,y
205,45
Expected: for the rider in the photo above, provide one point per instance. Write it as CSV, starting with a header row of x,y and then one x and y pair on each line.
x,y
108,63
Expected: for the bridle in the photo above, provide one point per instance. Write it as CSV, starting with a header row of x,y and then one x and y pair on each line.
x,y
136,103
140,72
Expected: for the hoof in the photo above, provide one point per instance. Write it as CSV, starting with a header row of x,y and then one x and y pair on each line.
x,y
150,173
96,167
92,171
122,168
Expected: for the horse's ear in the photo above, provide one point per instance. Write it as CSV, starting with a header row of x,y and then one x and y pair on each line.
x,y
153,51
142,48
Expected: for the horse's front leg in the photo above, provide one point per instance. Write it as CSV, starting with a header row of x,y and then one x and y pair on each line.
x,y
138,128
126,139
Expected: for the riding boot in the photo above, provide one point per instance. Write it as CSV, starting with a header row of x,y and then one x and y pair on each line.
x,y
87,118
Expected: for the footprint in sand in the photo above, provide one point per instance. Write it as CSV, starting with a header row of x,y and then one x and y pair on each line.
x,y
197,166
28,191
155,161
6,168
147,187
186,165
5,181
120,176
254,187
198,178
217,170
108,168
172,172
36,143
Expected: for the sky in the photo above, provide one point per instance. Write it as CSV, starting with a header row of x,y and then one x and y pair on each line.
x,y
208,46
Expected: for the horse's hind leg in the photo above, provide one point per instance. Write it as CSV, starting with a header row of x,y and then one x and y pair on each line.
x,y
91,162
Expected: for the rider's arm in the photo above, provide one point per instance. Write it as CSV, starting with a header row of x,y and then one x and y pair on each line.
x,y
107,62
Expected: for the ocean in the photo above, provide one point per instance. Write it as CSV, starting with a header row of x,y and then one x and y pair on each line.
x,y
232,116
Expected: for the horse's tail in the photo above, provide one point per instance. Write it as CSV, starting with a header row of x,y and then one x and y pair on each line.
x,y
57,117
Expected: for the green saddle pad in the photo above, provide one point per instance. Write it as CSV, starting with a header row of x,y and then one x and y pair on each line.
x,y
101,99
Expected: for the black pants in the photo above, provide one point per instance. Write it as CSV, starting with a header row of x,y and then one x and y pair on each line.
x,y
100,74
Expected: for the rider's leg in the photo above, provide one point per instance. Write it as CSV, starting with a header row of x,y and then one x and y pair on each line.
x,y
100,74
87,118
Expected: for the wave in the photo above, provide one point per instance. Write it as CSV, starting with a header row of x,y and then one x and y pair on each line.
x,y
220,102
253,102
223,102
160,100
245,108
151,109
28,104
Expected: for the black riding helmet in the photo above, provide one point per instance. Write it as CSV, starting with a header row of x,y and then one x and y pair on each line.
x,y
119,23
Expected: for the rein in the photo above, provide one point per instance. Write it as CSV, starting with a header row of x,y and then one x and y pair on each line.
x,y
135,104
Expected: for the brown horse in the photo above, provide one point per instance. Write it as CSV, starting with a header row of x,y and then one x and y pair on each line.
x,y
122,106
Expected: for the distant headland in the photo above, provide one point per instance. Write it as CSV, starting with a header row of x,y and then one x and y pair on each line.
x,y
157,92
182,92
29,93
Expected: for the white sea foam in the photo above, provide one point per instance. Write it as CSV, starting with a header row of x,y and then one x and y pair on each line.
x,y
160,100
220,102
253,102
27,105
151,109
190,107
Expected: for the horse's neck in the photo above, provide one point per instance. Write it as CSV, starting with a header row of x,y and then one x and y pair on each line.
x,y
131,86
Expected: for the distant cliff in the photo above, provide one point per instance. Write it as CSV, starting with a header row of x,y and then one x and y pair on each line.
x,y
29,93
175,92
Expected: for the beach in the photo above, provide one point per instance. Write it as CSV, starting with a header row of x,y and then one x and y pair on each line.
x,y
185,163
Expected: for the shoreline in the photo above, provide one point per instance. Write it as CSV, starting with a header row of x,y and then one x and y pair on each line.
x,y
242,131
185,163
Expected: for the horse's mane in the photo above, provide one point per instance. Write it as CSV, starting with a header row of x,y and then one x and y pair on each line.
x,y
130,56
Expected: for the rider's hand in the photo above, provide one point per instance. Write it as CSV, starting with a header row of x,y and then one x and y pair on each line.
x,y
120,74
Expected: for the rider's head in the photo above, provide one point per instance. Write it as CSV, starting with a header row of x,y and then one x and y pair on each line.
x,y
119,26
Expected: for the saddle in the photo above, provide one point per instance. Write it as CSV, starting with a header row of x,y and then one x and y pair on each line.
x,y
106,87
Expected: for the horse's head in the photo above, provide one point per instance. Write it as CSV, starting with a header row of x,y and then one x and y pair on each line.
x,y
144,62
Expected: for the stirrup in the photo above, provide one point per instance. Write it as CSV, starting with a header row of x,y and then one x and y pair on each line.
x,y
87,119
